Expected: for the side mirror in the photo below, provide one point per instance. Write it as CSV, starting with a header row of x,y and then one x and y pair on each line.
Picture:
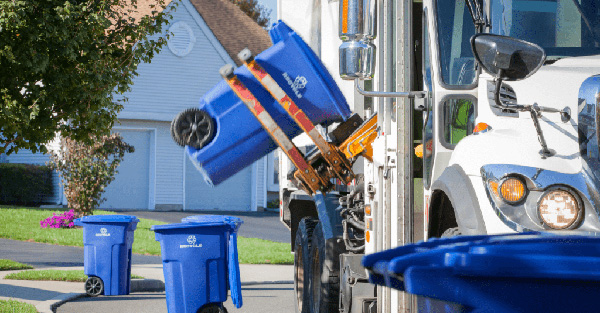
x,y
507,58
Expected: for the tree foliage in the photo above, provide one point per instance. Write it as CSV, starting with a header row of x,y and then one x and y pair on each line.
x,y
63,62
87,169
258,12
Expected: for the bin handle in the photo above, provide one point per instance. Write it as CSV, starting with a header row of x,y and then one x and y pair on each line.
x,y
234,271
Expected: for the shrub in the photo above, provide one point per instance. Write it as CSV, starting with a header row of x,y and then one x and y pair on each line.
x,y
63,220
24,184
86,169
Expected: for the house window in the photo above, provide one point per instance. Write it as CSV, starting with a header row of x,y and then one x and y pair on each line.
x,y
273,171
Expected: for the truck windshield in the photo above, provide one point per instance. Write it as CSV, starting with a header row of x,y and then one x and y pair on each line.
x,y
561,27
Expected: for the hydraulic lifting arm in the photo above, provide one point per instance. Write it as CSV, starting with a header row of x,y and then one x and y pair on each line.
x,y
330,162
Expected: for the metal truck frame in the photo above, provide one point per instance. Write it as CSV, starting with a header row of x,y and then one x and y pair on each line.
x,y
509,145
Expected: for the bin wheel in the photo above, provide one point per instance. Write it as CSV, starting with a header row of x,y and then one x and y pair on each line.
x,y
192,127
213,308
94,286
302,263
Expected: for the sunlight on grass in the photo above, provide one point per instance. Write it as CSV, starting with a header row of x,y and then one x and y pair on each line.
x,y
24,224
16,306
10,265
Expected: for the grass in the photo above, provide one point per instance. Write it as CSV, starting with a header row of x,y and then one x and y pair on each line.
x,y
53,275
13,306
9,265
20,223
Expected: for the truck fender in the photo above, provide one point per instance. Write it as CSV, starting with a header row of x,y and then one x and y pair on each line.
x,y
456,185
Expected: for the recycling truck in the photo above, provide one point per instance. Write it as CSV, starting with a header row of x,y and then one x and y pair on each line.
x,y
503,95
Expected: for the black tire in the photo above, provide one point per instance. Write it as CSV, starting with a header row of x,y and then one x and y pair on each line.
x,y
302,263
213,308
451,232
94,286
192,127
324,295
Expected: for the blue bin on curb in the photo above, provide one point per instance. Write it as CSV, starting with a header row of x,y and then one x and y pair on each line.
x,y
529,272
240,139
107,241
200,263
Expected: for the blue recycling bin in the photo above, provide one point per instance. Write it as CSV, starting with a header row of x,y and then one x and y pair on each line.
x,y
200,262
240,139
529,272
107,241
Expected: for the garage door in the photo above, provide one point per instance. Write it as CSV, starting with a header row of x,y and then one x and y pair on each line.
x,y
130,188
233,194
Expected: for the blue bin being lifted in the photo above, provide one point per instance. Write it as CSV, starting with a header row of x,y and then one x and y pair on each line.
x,y
530,272
107,241
200,263
240,139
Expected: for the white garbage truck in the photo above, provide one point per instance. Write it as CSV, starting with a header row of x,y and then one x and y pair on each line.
x,y
503,95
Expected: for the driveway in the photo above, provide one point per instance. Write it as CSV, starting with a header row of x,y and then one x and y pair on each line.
x,y
263,225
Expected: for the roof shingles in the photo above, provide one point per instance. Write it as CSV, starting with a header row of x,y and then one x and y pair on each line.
x,y
232,27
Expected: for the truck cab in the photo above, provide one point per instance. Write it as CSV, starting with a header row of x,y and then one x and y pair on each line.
x,y
497,179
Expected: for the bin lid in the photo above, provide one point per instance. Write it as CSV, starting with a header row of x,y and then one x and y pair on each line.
x,y
107,219
214,220
525,255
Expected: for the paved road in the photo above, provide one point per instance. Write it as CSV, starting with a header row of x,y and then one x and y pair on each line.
x,y
257,299
41,255
263,225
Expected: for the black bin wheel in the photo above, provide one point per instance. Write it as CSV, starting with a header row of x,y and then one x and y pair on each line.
x,y
213,308
94,286
192,127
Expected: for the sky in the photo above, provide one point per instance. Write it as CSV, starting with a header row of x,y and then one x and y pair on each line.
x,y
271,4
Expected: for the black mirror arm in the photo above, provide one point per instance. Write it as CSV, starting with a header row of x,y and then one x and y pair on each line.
x,y
535,114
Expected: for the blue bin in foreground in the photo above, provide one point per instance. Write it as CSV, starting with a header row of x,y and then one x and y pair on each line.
x,y
530,272
200,263
107,241
240,139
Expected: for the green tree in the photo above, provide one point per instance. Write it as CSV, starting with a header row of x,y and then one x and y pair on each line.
x,y
87,169
64,62
258,12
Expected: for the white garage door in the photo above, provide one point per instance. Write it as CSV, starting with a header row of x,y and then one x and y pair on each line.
x,y
233,194
130,188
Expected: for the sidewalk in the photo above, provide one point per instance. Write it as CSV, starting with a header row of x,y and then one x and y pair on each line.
x,y
46,295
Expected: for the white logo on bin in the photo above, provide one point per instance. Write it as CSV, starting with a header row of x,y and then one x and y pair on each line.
x,y
103,233
297,84
191,239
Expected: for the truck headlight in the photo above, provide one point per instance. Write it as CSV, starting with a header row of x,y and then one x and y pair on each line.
x,y
559,209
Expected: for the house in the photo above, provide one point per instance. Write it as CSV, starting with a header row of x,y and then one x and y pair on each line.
x,y
206,34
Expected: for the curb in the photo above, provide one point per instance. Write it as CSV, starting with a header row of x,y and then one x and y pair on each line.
x,y
141,285
137,285
49,306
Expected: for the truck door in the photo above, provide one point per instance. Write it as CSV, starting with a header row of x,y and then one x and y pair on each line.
x,y
449,74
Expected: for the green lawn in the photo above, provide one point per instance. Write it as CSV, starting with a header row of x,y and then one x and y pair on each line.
x,y
53,275
10,265
24,224
11,306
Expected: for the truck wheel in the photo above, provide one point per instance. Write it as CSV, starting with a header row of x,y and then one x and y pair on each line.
x,y
325,284
302,263
451,232
94,286
192,127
